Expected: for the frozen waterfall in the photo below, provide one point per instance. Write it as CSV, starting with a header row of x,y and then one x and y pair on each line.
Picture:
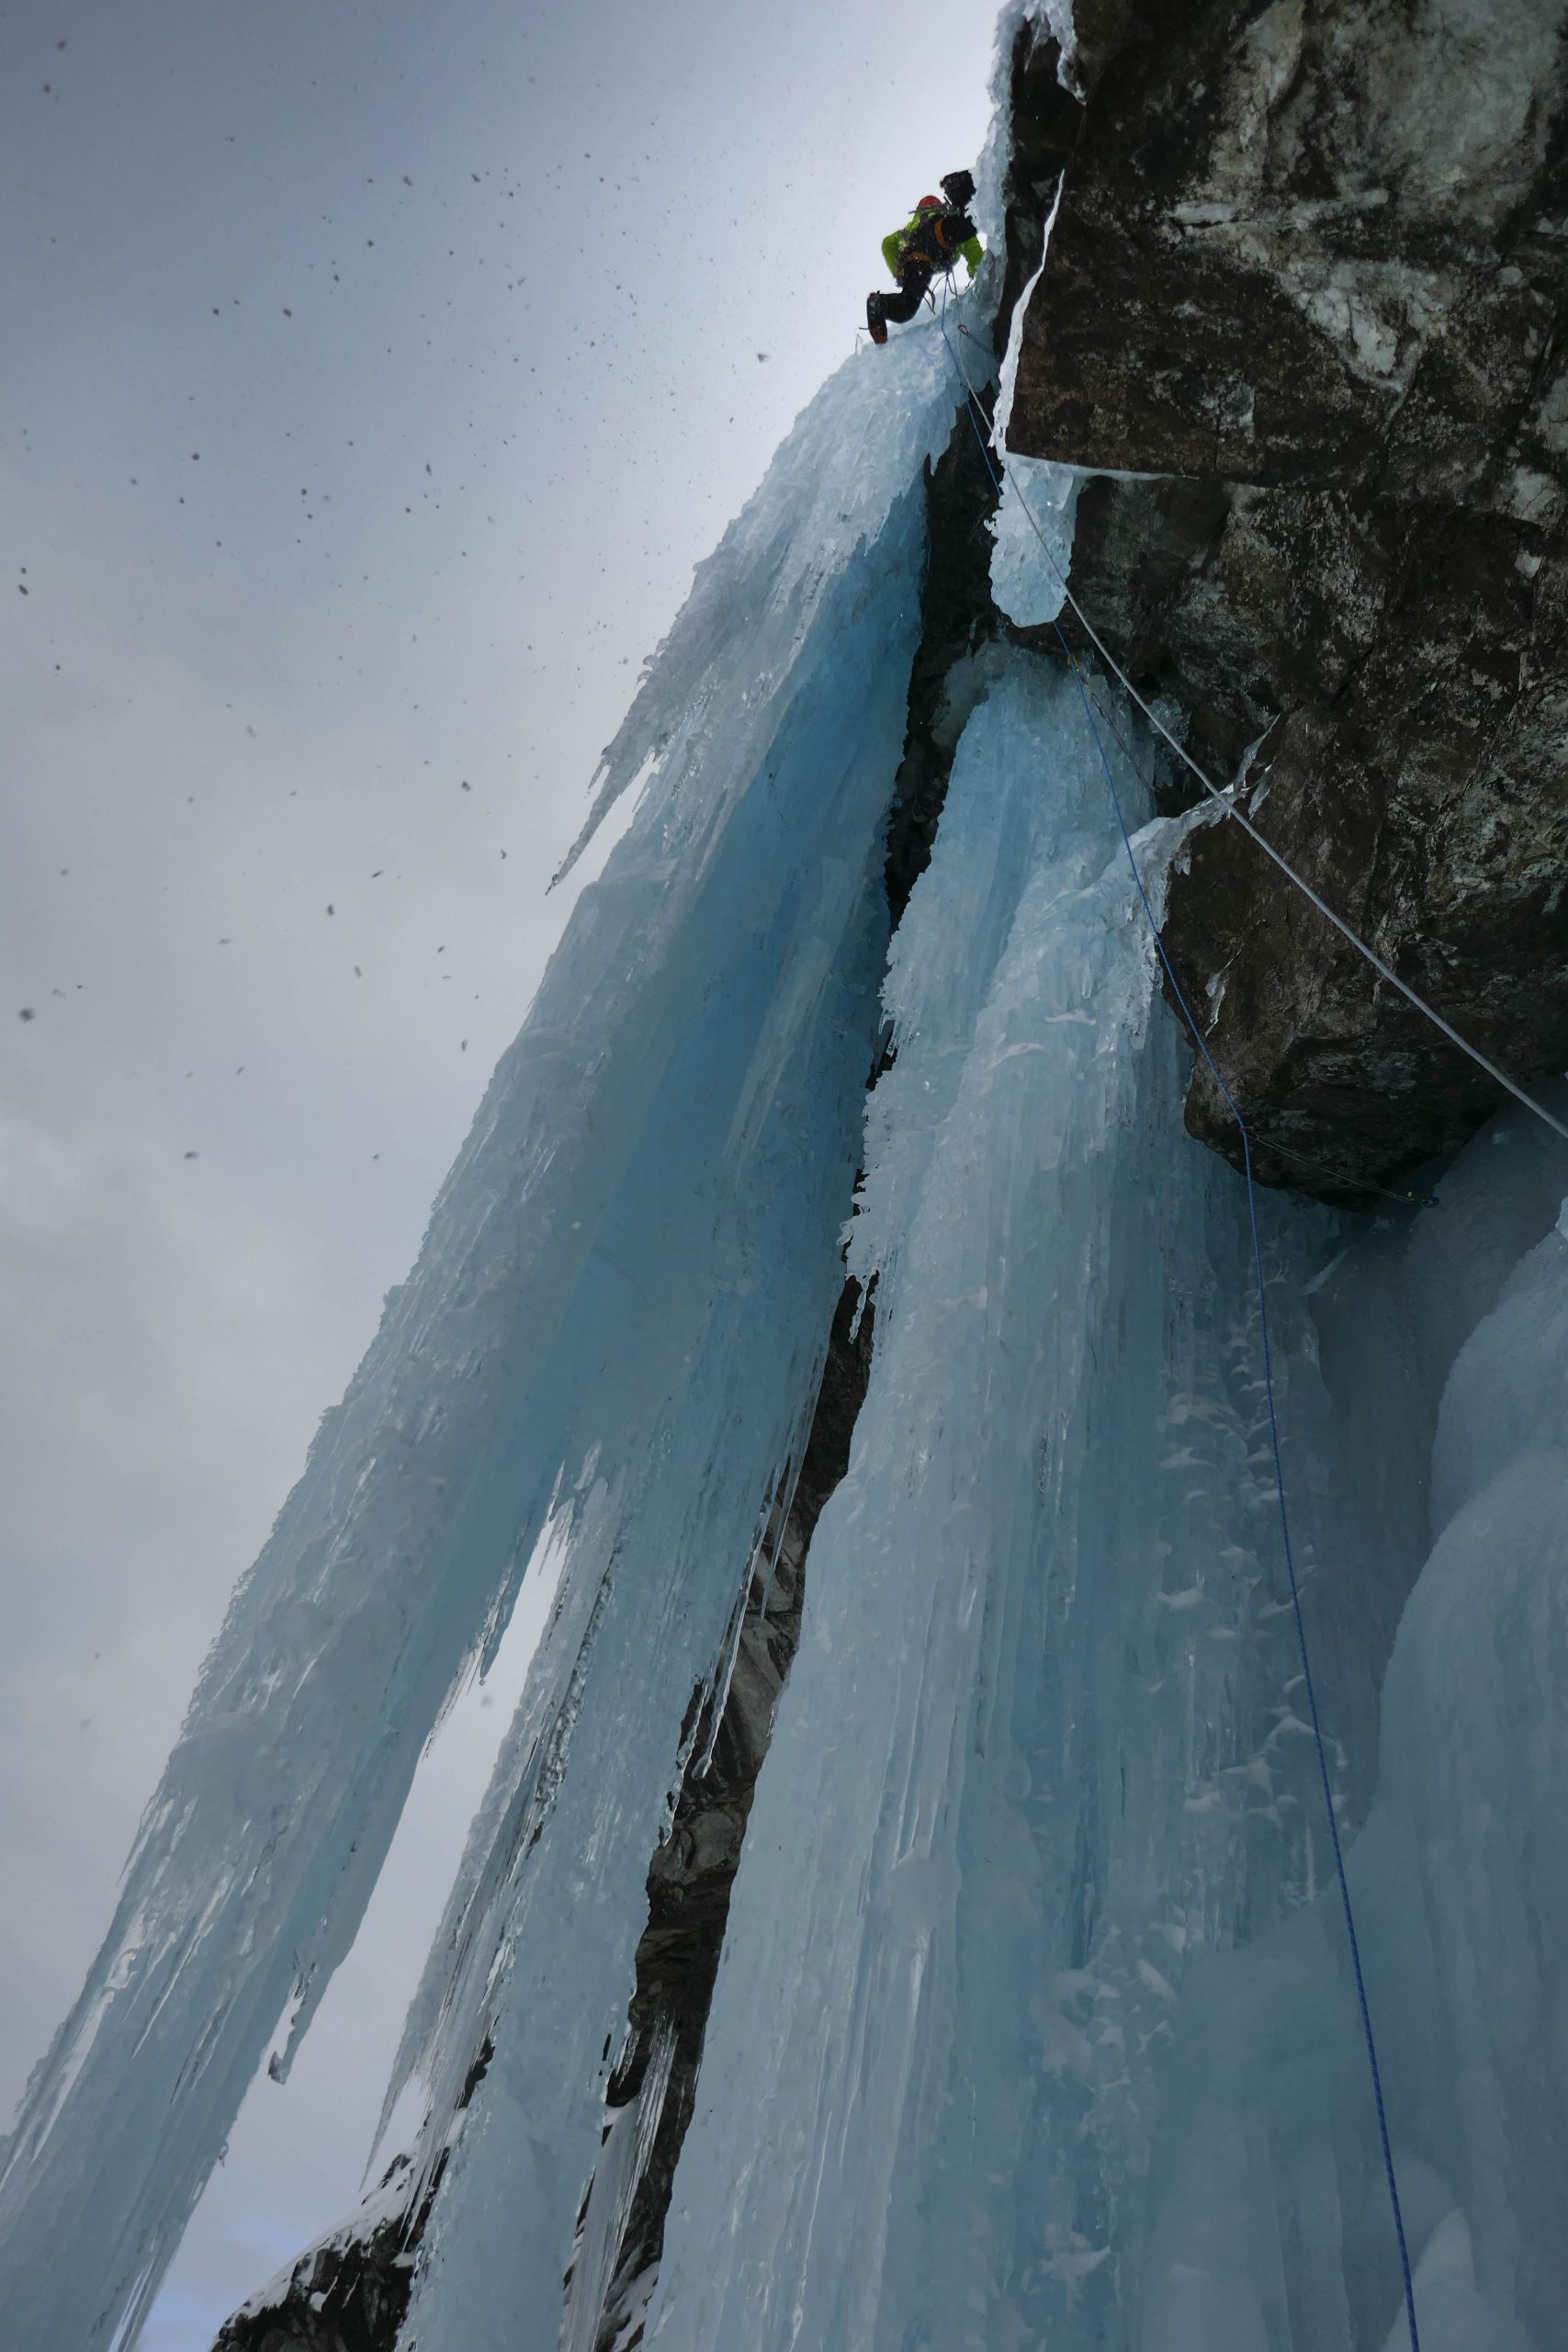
x,y
1033,2025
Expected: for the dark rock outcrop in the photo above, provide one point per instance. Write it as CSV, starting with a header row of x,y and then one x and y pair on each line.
x,y
1310,273
1046,120
958,621
348,2293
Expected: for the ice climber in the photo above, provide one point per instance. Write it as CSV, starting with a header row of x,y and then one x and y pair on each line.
x,y
936,233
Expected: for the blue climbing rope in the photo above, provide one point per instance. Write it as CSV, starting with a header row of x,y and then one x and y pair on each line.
x,y
972,405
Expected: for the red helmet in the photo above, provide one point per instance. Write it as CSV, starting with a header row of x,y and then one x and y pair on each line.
x,y
928,204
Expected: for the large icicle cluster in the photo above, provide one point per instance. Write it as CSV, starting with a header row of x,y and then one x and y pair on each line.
x,y
1017,1780
1034,2023
614,1332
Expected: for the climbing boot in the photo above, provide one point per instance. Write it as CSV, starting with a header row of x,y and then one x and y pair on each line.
x,y
874,319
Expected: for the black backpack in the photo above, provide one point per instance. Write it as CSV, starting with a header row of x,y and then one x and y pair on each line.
x,y
937,238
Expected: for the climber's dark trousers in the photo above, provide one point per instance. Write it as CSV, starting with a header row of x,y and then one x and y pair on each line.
x,y
900,308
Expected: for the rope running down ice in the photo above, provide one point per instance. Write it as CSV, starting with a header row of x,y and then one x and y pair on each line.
x,y
1265,1143
973,406
1224,801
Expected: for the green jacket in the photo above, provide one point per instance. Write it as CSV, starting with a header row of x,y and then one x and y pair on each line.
x,y
893,246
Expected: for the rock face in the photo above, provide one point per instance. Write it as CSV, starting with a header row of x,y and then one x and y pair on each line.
x,y
1308,278
348,2293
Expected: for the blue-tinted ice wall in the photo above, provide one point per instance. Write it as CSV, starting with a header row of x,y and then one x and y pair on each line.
x,y
1445,1351
1034,2023
615,1329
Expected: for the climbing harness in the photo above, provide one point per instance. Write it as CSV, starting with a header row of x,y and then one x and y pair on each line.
x,y
974,407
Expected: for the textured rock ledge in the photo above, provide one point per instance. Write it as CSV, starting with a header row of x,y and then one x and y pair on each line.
x,y
1309,276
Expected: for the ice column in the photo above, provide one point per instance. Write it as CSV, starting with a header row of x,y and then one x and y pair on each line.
x,y
1019,1777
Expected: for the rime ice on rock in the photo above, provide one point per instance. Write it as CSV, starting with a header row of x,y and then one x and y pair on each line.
x,y
1027,579
1033,526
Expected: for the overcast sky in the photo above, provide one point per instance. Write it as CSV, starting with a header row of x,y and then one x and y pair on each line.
x,y
373,373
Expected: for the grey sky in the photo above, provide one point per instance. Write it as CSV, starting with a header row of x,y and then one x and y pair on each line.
x,y
371,378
